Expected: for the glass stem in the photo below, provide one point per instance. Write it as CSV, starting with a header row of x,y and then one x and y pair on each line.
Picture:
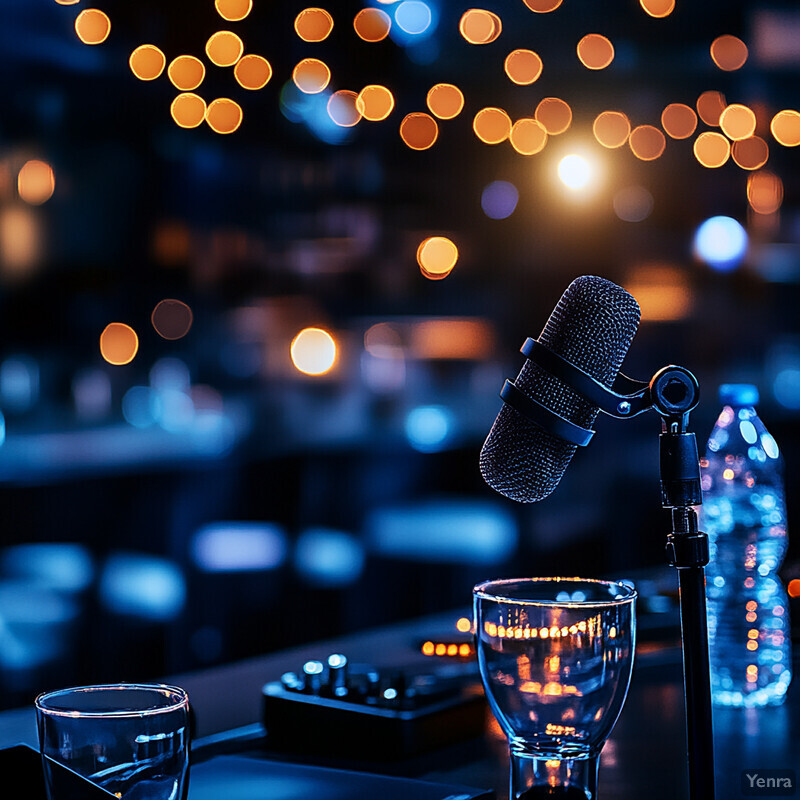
x,y
534,777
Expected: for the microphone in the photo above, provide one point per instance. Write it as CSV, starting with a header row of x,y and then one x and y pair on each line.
x,y
592,326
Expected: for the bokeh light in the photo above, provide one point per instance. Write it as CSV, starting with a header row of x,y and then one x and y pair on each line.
x,y
223,115
764,192
172,319
445,100
92,26
311,75
428,427
21,242
658,8
721,242
252,72
647,142
662,291
436,256
313,24
750,153
543,6
479,26
738,122
313,351
710,105
342,108
67,2
224,48
523,67
413,17
611,129
375,102
36,182
186,73
712,149
679,120
419,131
633,204
492,125
188,110
147,62
729,53
119,343
372,24
785,127
328,558
595,51
233,10
575,171
528,136
499,199
555,114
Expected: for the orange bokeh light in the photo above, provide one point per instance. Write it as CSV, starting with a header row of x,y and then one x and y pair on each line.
x,y
419,131
764,192
233,10
479,26
224,48
172,319
738,122
729,53
252,72
147,62
710,105
372,24
92,26
528,136
523,67
492,125
647,142
445,100
186,73
595,51
311,75
342,108
679,120
785,127
612,129
543,6
313,351
313,24
188,110
36,182
436,256
375,102
119,344
555,114
223,115
658,8
750,153
712,149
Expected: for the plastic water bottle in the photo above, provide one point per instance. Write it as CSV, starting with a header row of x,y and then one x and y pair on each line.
x,y
744,515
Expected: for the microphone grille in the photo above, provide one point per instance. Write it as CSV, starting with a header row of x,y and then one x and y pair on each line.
x,y
592,326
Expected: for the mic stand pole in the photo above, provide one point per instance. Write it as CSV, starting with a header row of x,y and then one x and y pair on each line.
x,y
687,551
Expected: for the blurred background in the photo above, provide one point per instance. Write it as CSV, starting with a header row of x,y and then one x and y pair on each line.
x,y
255,311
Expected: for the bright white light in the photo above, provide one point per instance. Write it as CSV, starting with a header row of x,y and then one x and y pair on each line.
x,y
313,351
721,242
575,171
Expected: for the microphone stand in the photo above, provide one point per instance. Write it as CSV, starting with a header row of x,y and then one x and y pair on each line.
x,y
672,392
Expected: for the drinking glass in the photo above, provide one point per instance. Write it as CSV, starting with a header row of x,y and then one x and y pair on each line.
x,y
555,657
131,739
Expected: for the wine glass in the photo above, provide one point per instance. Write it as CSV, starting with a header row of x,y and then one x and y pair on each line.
x,y
555,657
131,739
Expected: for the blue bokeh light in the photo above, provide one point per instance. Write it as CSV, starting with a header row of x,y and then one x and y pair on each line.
x,y
721,242
499,199
329,558
413,21
786,387
428,428
239,546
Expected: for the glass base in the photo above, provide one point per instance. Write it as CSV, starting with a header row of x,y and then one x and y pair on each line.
x,y
540,777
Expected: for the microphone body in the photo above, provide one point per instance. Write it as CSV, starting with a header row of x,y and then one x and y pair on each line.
x,y
592,326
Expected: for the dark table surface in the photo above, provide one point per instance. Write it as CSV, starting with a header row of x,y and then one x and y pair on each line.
x,y
645,757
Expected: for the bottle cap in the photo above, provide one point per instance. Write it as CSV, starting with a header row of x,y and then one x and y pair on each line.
x,y
738,394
